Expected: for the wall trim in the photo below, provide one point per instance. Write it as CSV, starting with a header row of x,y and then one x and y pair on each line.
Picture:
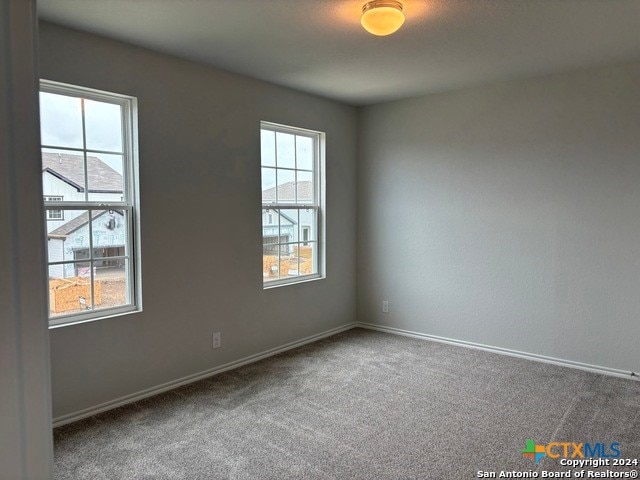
x,y
504,351
149,392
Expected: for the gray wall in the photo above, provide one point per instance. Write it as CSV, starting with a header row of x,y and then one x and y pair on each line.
x,y
200,185
508,215
25,399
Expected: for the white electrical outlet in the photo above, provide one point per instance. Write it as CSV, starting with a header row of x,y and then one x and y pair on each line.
x,y
385,306
217,340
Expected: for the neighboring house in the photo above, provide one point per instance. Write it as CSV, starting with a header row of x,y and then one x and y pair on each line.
x,y
288,221
71,242
287,193
63,179
272,235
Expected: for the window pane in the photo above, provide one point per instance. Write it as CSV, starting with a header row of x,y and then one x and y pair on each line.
x,y
63,174
286,150
270,263
103,125
270,226
268,148
288,262
60,120
110,233
308,225
268,185
111,283
304,187
307,255
68,239
286,186
294,261
289,222
105,177
304,152
70,288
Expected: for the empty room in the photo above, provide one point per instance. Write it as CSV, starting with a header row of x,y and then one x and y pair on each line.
x,y
319,239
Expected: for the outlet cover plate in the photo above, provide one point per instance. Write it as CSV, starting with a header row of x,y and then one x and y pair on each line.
x,y
385,306
217,340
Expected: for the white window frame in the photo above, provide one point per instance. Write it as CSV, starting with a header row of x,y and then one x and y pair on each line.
x,y
54,198
319,203
130,202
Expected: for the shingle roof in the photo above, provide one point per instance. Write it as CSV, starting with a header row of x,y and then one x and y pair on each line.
x,y
70,168
286,192
75,223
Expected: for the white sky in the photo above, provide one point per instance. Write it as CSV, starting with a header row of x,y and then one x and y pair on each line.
x,y
292,151
61,126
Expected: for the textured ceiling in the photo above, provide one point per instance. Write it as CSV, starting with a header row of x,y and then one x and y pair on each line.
x,y
318,46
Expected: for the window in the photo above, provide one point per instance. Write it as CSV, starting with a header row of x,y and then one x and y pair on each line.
x,y
54,214
89,181
292,204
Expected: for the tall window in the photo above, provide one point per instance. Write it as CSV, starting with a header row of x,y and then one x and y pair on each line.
x,y
89,179
292,204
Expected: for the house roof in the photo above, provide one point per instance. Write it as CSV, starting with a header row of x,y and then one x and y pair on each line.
x,y
70,168
75,223
286,192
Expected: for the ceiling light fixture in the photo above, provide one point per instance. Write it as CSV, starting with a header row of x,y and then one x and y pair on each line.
x,y
382,17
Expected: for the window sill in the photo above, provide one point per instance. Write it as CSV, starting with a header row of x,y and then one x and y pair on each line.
x,y
287,282
69,321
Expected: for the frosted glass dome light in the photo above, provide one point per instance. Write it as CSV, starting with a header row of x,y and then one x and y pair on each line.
x,y
382,17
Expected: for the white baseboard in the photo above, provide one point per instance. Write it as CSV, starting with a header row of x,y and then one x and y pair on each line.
x,y
503,351
149,392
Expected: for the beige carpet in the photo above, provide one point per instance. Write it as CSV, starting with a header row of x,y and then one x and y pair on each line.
x,y
359,405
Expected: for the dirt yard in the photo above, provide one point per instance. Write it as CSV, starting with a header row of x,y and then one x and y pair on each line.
x,y
113,293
